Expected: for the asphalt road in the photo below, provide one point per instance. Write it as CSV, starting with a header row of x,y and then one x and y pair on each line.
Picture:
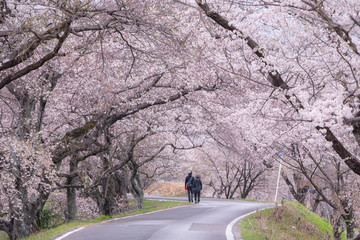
x,y
208,220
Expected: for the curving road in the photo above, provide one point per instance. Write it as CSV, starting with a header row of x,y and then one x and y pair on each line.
x,y
212,219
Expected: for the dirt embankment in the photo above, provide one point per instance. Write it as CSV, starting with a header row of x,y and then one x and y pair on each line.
x,y
166,189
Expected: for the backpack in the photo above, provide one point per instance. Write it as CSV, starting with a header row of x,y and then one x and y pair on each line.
x,y
196,183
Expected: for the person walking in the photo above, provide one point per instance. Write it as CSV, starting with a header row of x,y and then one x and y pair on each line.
x,y
197,187
188,186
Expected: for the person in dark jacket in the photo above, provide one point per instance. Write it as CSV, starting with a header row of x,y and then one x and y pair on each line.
x,y
197,187
188,186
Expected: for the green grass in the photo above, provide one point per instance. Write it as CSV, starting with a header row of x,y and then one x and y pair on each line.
x,y
322,224
3,236
149,206
51,233
291,221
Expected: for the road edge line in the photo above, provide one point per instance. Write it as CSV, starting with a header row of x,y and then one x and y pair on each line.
x,y
228,231
114,219
68,233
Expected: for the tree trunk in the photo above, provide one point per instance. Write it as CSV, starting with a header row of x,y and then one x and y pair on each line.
x,y
299,194
246,188
245,193
110,196
70,203
350,225
234,191
336,232
316,202
137,191
71,192
139,201
5,226
26,220
105,198
110,206
348,217
120,189
30,220
227,192
23,227
107,206
13,233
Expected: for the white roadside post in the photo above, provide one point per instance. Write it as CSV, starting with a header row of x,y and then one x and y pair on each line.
x,y
278,179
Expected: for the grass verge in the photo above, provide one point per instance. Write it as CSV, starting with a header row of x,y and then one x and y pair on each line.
x,y
290,221
149,206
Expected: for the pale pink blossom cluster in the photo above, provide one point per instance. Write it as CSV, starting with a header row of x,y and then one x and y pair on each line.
x,y
26,168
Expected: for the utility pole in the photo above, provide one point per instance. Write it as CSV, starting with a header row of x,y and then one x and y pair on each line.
x,y
278,180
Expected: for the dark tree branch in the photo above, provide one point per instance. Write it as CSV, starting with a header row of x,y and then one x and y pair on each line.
x,y
340,31
134,109
33,44
13,76
351,161
274,76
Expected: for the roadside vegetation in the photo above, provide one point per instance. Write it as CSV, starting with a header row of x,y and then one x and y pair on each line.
x,y
149,206
290,221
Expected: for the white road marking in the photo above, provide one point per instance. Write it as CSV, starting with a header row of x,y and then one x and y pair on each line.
x,y
228,232
67,234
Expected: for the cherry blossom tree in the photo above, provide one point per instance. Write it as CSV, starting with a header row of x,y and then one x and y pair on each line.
x,y
234,171
325,174
288,40
27,178
82,81
306,51
40,59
